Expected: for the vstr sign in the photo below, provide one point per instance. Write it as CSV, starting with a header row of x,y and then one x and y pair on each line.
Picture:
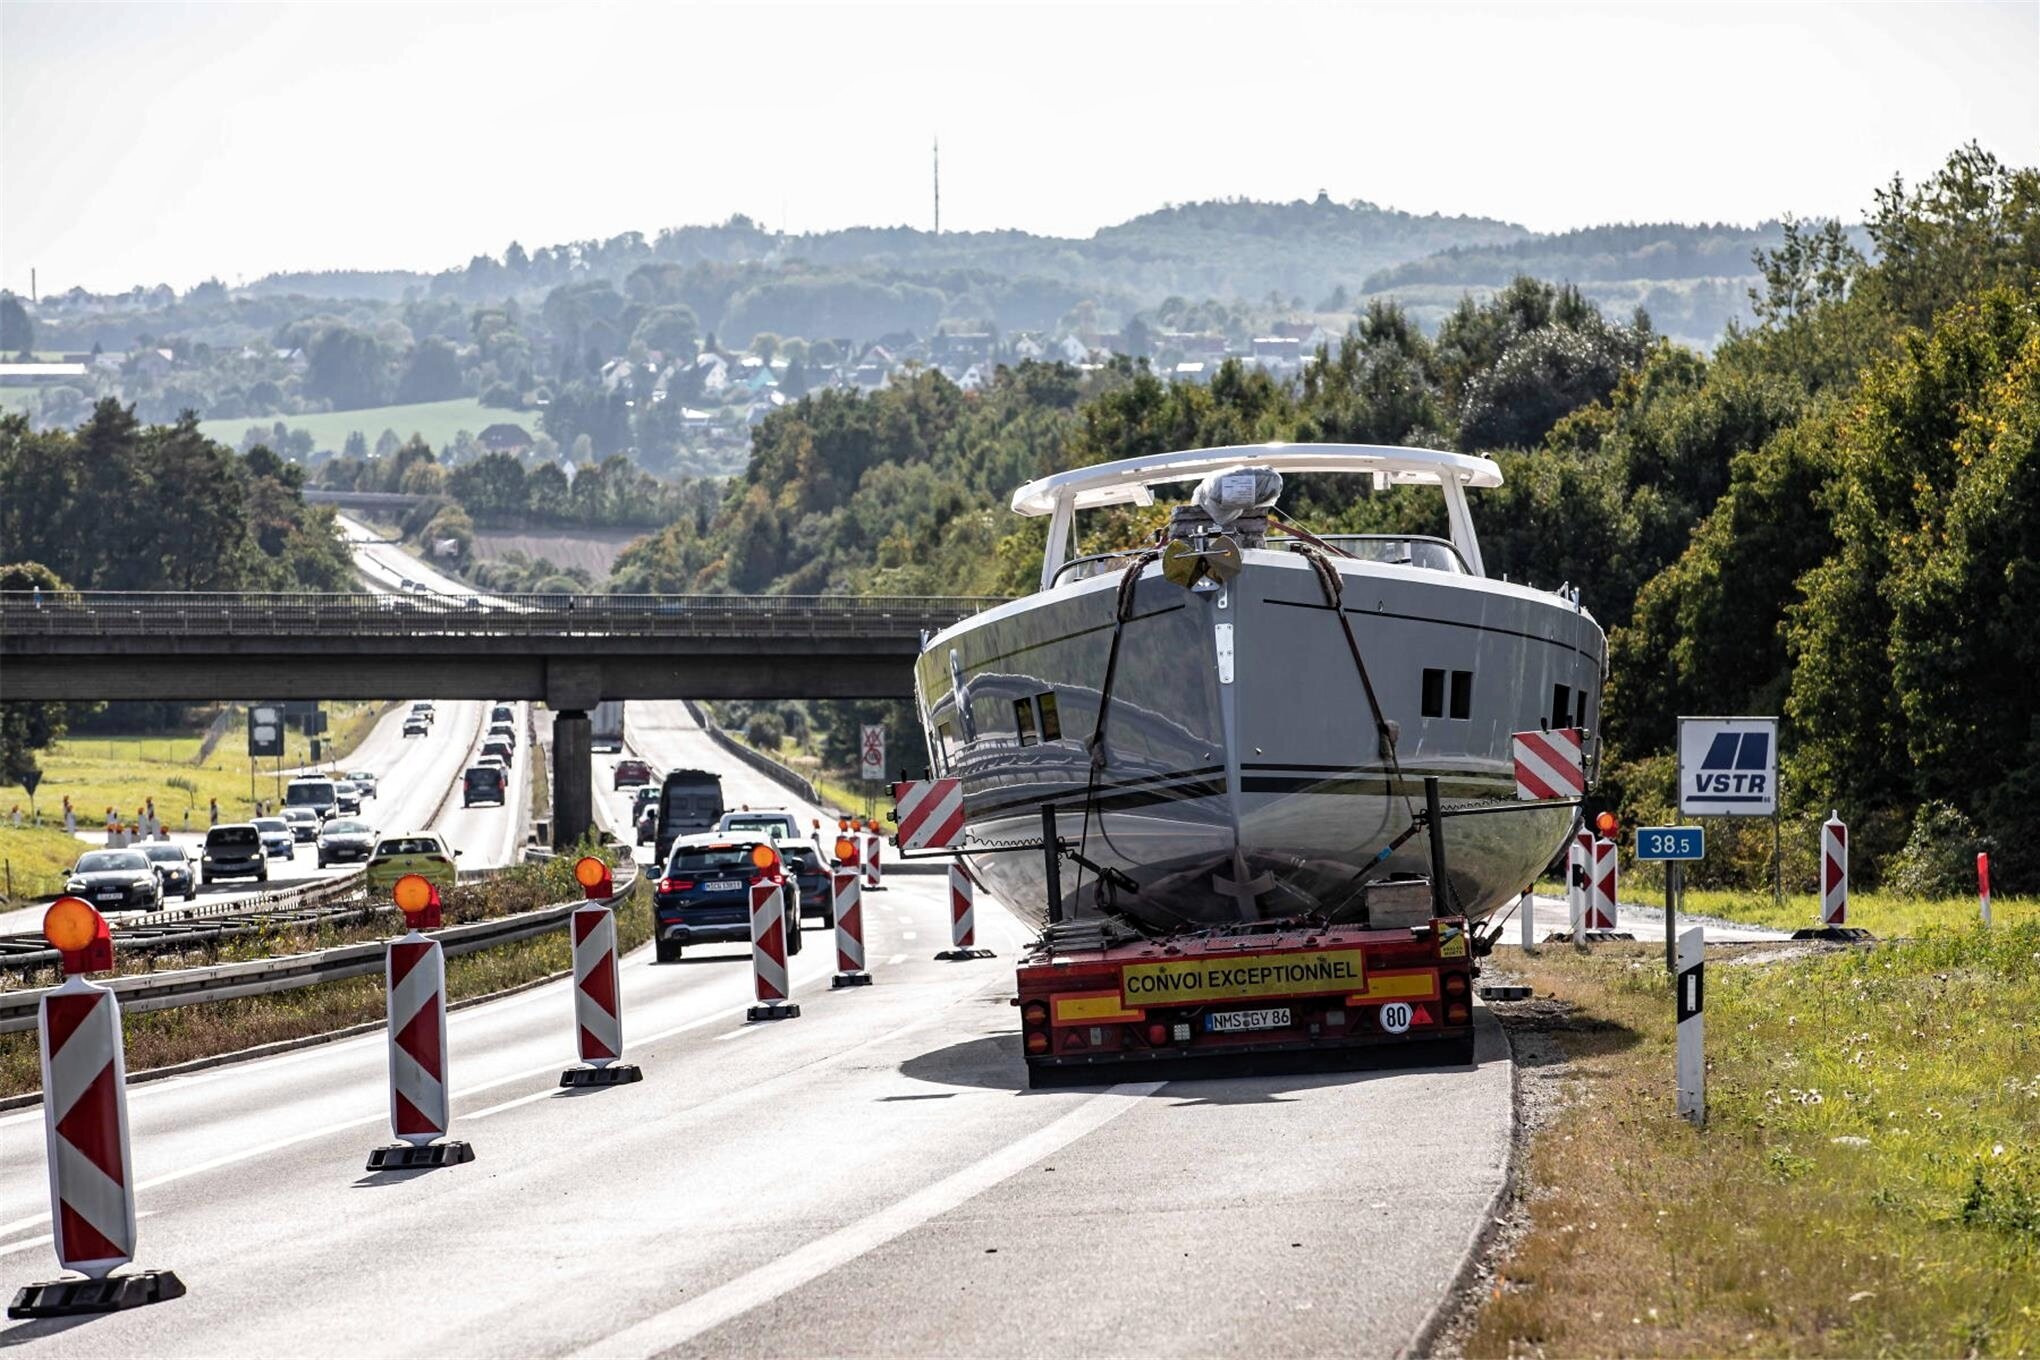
x,y
1728,767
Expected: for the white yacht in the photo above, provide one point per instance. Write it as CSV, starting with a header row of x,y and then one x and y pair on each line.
x,y
1234,720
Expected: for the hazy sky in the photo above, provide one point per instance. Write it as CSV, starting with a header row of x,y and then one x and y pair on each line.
x,y
165,143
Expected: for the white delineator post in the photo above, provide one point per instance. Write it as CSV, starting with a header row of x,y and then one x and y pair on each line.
x,y
1983,884
849,889
1526,911
598,1002
768,952
1834,871
1601,909
1690,995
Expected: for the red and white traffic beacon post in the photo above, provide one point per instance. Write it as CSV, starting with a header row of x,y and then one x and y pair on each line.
x,y
929,818
768,939
420,1107
847,886
92,1185
598,1001
873,840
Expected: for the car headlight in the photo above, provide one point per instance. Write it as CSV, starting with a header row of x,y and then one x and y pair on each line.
x,y
75,885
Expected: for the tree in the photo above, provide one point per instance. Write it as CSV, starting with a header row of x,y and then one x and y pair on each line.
x,y
344,366
26,728
673,331
17,328
433,373
492,488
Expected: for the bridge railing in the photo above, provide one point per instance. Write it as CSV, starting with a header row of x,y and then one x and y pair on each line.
x,y
125,614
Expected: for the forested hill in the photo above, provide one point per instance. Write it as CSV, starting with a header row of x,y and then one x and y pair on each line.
x,y
1835,517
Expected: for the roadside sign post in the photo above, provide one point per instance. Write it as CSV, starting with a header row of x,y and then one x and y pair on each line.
x,y
1728,767
1983,885
1689,991
1671,845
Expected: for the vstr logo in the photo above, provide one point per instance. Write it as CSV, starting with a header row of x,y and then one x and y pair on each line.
x,y
1736,768
1728,767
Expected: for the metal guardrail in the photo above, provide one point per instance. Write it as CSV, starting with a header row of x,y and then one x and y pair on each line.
x,y
256,977
195,615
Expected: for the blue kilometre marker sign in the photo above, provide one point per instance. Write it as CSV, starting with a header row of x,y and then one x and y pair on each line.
x,y
1671,842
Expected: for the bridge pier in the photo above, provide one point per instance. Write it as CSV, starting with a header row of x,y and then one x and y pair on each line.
x,y
573,776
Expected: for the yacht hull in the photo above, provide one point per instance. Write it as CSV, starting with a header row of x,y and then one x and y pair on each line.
x,y
1254,786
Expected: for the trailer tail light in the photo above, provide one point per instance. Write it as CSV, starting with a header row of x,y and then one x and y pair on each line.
x,y
1455,986
1034,1013
1456,1013
1037,1042
1158,1035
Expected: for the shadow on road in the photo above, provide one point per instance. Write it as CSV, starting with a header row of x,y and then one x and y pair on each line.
x,y
994,1062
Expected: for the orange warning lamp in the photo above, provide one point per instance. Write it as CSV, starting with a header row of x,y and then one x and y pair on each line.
x,y
842,823
80,934
1608,825
846,849
765,857
593,876
418,900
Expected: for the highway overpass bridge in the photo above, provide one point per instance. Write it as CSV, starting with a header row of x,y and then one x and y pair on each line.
x,y
569,652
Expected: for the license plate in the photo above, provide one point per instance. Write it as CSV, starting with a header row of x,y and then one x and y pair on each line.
x,y
106,894
1231,1022
722,885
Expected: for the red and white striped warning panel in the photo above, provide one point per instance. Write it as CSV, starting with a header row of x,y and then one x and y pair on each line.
x,y
768,941
598,1011
85,1122
873,843
1834,871
849,920
962,907
418,1101
930,813
1550,764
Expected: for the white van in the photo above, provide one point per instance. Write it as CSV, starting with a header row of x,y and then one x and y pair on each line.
x,y
320,795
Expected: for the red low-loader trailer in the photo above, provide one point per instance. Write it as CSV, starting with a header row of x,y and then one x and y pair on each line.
x,y
1263,988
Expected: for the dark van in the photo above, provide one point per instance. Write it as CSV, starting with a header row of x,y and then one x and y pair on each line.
x,y
233,851
690,801
481,784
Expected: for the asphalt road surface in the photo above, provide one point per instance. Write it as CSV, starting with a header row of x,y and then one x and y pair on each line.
x,y
872,1177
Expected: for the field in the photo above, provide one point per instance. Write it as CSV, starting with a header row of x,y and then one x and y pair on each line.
x,y
1882,915
1868,1181
123,772
437,421
592,550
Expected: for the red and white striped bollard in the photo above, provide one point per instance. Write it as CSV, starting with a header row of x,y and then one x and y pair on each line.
x,y
420,1106
768,947
1601,908
962,916
85,1129
1834,872
848,886
598,1003
873,842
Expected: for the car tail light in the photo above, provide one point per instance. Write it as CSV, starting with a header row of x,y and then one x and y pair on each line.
x,y
673,885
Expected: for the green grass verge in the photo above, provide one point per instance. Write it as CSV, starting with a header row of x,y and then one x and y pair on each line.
x,y
35,860
436,421
1868,1182
1881,914
184,1033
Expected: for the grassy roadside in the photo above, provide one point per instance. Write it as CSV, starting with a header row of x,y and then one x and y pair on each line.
x,y
1881,914
183,1033
34,858
1868,1182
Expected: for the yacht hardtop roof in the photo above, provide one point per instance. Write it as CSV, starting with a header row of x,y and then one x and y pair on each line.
x,y
1127,481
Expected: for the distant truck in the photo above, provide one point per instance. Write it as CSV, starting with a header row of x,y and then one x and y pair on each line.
x,y
606,726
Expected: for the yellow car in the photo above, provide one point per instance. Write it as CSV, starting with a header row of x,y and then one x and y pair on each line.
x,y
414,852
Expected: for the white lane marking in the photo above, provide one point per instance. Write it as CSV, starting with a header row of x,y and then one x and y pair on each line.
x,y
909,935
511,1104
748,1028
312,1135
682,1323
897,958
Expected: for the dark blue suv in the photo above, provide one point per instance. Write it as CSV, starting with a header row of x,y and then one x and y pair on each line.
x,y
704,894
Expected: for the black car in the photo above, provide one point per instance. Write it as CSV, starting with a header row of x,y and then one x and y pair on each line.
x,y
481,784
116,880
173,866
704,896
345,842
811,874
496,746
233,851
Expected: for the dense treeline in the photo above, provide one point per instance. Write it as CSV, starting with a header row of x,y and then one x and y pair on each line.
x,y
1833,518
